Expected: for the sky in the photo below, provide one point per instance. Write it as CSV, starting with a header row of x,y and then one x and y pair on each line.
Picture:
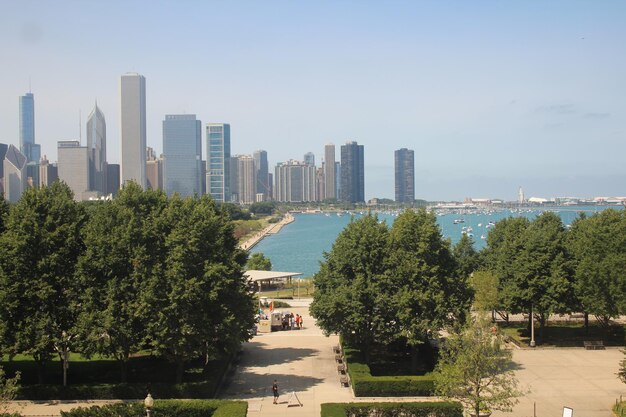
x,y
491,95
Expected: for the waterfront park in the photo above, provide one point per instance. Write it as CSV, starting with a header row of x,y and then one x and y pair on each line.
x,y
140,305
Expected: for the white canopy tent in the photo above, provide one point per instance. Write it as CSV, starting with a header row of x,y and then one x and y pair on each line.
x,y
267,277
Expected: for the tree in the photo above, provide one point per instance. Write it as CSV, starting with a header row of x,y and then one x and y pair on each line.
x,y
466,257
263,207
198,300
485,287
598,247
427,294
348,299
476,369
258,261
4,212
38,254
8,391
124,243
621,374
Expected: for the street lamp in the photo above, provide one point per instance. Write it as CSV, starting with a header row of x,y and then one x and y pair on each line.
x,y
148,402
532,327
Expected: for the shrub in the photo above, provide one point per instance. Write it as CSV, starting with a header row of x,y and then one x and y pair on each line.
x,y
166,408
366,385
421,409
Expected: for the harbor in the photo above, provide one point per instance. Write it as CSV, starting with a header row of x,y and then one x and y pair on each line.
x,y
270,229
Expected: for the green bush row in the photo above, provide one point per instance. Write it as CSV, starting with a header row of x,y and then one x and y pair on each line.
x,y
365,384
421,409
205,389
620,409
166,408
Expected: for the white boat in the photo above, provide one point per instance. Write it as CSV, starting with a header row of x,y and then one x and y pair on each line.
x,y
480,225
483,237
457,221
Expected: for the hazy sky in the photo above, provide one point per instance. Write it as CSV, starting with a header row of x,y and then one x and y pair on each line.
x,y
491,95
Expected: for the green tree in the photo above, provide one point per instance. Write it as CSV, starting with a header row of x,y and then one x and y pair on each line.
x,y
348,299
475,369
263,207
39,293
621,374
124,244
8,392
542,273
427,294
199,303
259,262
4,212
466,257
598,247
485,287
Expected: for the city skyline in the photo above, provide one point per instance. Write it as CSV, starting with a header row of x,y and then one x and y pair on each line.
x,y
490,96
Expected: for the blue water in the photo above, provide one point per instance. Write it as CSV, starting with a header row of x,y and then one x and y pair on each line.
x,y
300,245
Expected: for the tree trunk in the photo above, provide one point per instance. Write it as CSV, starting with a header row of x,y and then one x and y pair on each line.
x,y
123,370
41,368
414,358
586,323
180,368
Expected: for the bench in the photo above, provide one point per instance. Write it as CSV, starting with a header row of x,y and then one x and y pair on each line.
x,y
339,358
337,349
593,344
344,381
341,368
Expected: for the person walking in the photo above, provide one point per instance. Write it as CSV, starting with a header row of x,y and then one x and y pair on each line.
x,y
275,391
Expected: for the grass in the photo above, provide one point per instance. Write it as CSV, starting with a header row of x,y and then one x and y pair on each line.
x,y
566,334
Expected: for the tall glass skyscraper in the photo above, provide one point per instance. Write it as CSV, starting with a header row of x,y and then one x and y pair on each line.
x,y
405,175
97,149
218,161
29,149
263,185
133,134
330,172
352,173
182,155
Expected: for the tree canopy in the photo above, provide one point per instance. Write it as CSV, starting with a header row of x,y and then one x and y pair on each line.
x,y
259,262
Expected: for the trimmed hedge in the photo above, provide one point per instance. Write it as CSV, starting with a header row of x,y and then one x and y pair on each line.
x,y
205,389
620,409
166,408
422,409
366,385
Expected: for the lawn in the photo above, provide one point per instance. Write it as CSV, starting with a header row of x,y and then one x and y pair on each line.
x,y
305,290
566,334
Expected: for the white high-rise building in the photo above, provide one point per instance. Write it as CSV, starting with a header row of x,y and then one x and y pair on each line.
x,y
133,132
73,167
97,148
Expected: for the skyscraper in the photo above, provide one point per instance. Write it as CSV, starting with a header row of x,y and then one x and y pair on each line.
x,y
309,158
263,185
218,161
97,149
113,179
133,132
48,172
73,167
352,173
295,182
404,175
14,168
246,178
154,170
182,155
29,149
330,188
3,151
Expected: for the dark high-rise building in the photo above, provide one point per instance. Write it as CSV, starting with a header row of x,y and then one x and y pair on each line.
x,y
218,161
28,148
309,158
113,179
330,172
182,150
262,174
352,173
405,175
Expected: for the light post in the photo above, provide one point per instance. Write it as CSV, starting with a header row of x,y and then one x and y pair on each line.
x,y
148,402
532,327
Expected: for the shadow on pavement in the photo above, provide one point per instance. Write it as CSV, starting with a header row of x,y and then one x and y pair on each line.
x,y
261,354
249,385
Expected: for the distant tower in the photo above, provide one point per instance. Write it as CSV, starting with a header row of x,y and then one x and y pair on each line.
x,y
263,185
218,161
28,148
330,172
309,158
182,150
352,173
405,175
14,167
133,133
73,167
520,196
97,148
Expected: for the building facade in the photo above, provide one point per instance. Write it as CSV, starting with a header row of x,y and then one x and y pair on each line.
x,y
246,179
404,175
330,187
263,185
97,148
295,182
48,173
352,173
309,158
28,147
182,155
113,179
73,167
218,161
133,129
14,168
154,170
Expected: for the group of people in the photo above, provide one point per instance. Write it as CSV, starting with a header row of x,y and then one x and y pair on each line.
x,y
292,322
